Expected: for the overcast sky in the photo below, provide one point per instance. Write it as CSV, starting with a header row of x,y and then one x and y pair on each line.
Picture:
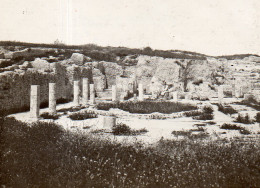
x,y
213,27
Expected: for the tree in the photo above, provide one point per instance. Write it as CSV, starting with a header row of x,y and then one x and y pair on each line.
x,y
148,51
186,72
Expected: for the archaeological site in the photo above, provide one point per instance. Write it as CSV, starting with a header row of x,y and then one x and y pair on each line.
x,y
149,118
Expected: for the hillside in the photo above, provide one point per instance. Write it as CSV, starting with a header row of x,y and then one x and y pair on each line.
x,y
23,64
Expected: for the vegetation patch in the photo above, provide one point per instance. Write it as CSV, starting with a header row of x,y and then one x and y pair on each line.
x,y
71,109
230,126
250,102
181,133
147,107
45,155
47,115
204,117
193,113
82,115
123,129
211,123
226,109
244,131
243,119
205,114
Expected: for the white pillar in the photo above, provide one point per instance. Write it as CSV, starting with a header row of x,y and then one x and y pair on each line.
x,y
92,93
141,92
85,91
76,93
35,101
114,93
175,96
52,98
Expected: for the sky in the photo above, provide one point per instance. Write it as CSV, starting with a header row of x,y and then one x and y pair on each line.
x,y
212,27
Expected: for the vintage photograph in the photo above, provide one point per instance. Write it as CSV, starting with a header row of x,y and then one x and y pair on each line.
x,y
129,94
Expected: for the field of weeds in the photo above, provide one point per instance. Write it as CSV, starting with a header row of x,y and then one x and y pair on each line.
x,y
147,107
45,155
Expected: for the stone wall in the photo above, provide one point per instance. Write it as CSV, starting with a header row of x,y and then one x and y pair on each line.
x,y
15,85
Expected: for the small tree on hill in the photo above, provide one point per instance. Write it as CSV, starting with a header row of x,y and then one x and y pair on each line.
x,y
186,72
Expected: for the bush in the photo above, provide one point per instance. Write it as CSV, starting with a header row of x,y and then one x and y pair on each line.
x,y
244,131
208,109
71,109
243,119
193,113
47,115
230,126
251,102
226,109
181,133
82,115
146,107
123,129
204,117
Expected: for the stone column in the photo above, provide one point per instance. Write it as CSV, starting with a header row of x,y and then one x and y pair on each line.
x,y
52,98
92,93
220,93
141,92
114,93
76,93
35,101
85,91
175,96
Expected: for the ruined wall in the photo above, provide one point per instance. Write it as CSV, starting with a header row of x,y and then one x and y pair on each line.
x,y
15,85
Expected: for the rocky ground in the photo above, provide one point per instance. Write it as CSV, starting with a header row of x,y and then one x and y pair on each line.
x,y
159,128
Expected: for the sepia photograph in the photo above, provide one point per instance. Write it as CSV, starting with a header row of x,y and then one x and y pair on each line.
x,y
129,94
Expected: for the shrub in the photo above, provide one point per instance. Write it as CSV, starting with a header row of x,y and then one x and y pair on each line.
x,y
204,117
47,115
208,109
71,109
146,107
226,109
211,123
123,129
82,115
243,119
4,64
181,133
201,135
156,116
230,126
193,113
251,102
244,131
